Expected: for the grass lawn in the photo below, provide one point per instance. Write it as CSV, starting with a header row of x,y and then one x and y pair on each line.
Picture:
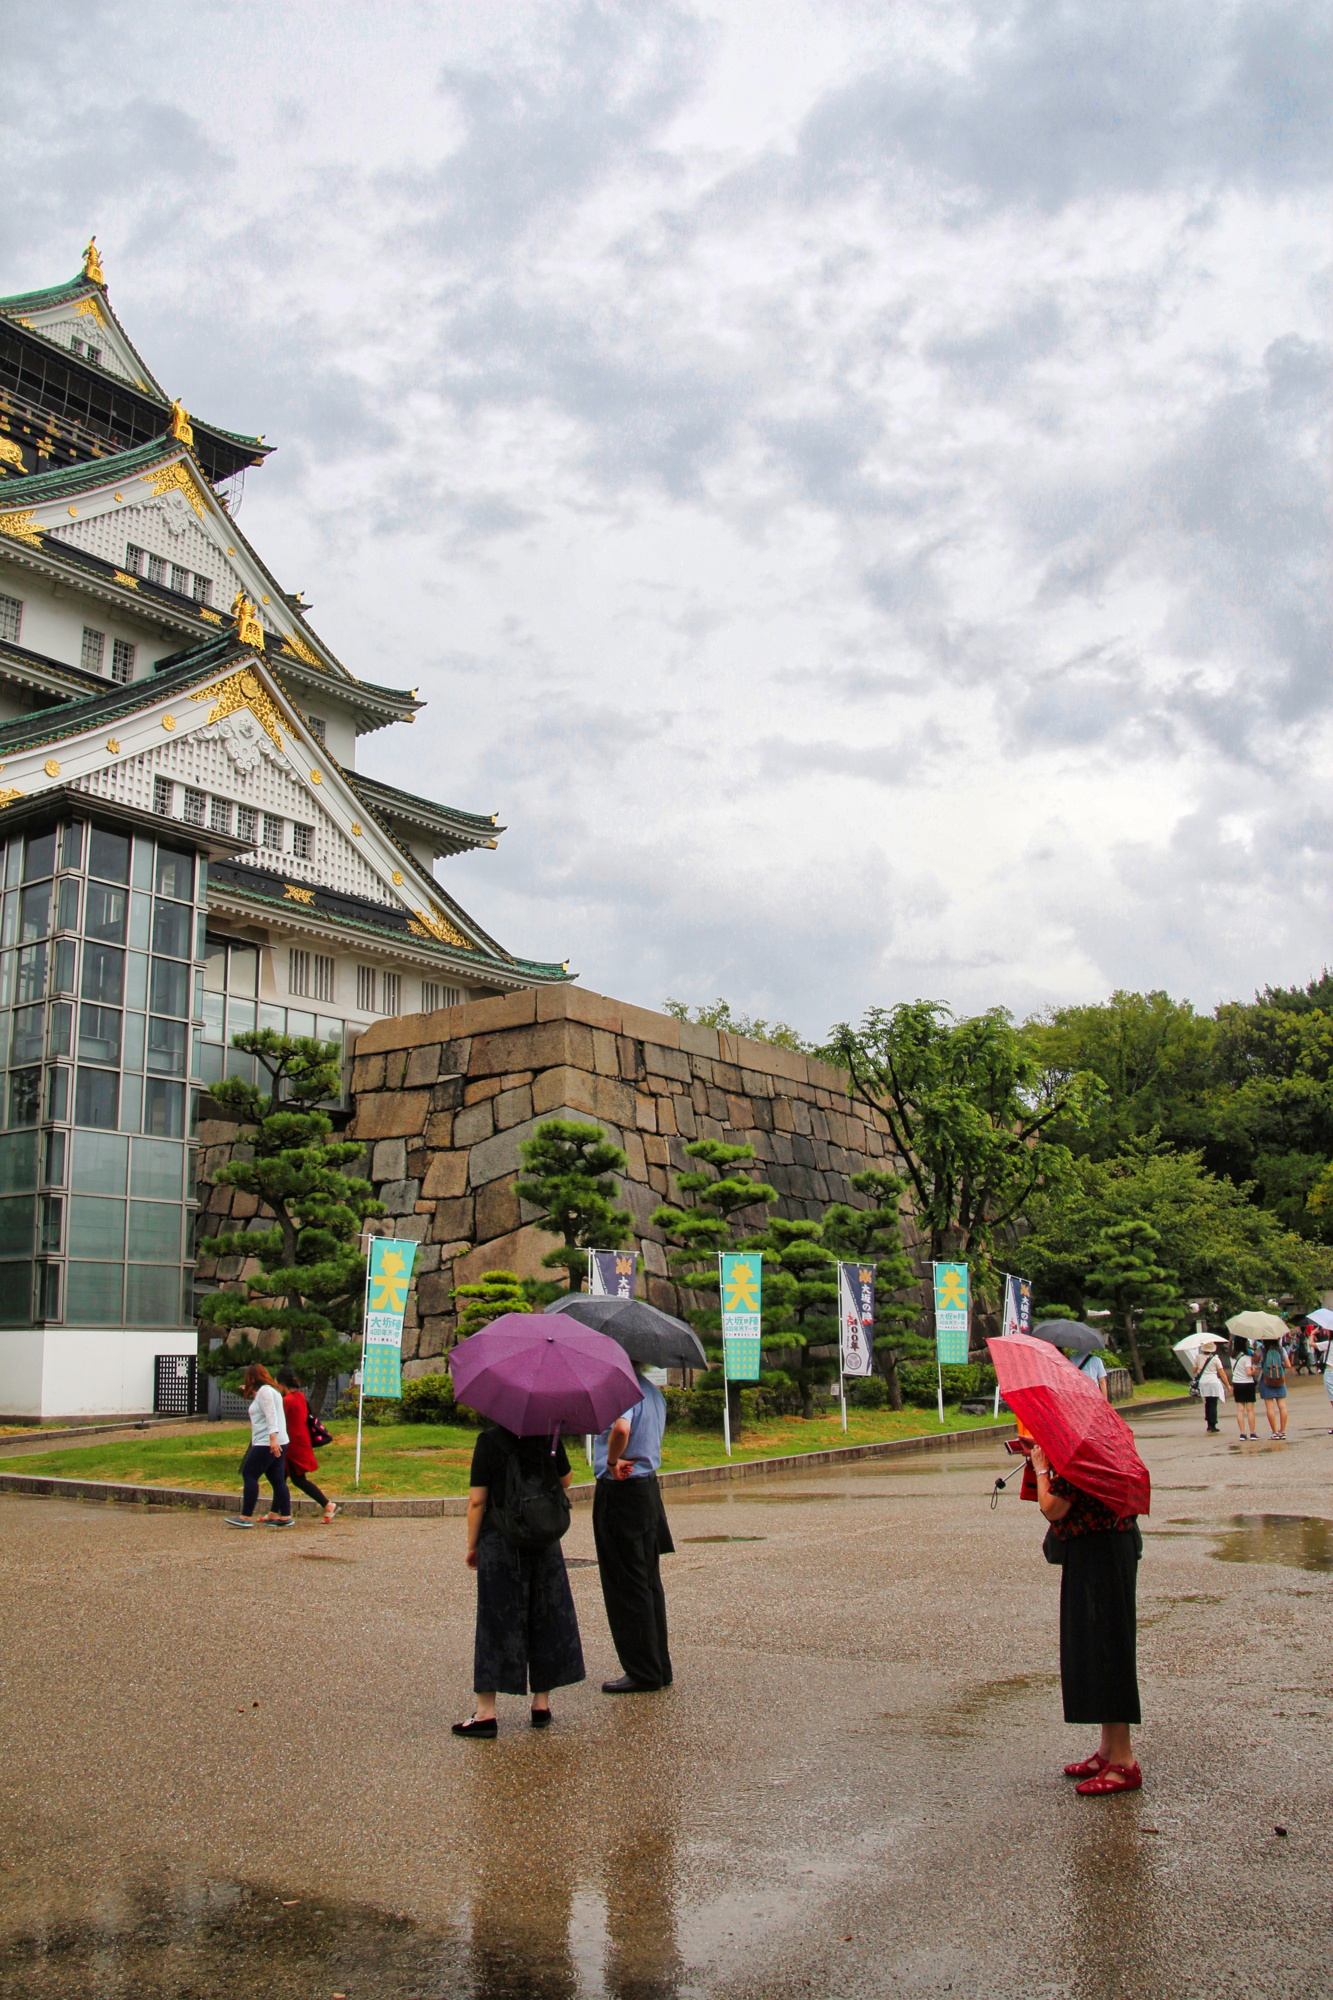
x,y
434,1458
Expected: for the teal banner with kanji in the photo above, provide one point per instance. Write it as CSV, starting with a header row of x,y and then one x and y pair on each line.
x,y
951,1313
742,1281
387,1280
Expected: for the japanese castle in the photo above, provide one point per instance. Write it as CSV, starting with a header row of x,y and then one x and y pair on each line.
x,y
188,847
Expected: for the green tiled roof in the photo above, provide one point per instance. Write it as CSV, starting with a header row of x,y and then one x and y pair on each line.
x,y
53,295
31,489
112,701
362,784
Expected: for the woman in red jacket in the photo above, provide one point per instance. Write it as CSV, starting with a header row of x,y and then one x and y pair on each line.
x,y
301,1460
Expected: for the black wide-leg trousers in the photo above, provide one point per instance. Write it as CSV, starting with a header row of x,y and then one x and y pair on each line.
x,y
630,1530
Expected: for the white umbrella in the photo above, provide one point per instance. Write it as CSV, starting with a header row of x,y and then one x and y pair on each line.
x,y
1257,1326
1321,1317
1194,1348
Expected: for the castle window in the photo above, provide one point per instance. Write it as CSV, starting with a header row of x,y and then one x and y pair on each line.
x,y
94,650
76,347
203,589
93,353
366,983
247,825
435,996
323,977
136,559
122,660
317,727
303,841
164,797
391,996
273,828
11,618
157,569
196,804
219,816
180,580
298,971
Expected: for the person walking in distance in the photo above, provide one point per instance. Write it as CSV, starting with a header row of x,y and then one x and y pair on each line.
x,y
1245,1386
630,1530
268,1443
1213,1389
1273,1386
301,1460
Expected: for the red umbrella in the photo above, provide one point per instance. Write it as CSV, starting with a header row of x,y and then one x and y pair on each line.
x,y
1085,1440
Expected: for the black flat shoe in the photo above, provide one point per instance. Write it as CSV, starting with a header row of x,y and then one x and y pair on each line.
x,y
475,1728
626,1686
542,1718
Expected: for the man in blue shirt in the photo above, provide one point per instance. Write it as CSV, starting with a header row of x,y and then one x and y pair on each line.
x,y
630,1529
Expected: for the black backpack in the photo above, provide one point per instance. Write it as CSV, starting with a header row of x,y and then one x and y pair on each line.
x,y
532,1511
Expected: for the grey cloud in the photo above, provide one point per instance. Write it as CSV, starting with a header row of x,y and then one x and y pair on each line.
x,y
987,362
913,758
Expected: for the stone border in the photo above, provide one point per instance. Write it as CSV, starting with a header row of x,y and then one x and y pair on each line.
x,y
454,1505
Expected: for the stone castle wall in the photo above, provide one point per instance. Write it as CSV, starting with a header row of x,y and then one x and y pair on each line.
x,y
443,1102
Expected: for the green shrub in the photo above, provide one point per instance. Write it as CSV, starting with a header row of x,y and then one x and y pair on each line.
x,y
868,1392
375,1410
429,1399
679,1403
961,1384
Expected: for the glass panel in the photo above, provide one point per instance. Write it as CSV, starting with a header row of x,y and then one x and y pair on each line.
x,y
18,1162
169,987
16,1296
155,1169
92,1294
155,1232
96,1227
329,1031
25,1090
103,974
201,884
53,1209
134,1033
106,914
71,846
100,1162
136,980
215,966
68,920
96,1098
40,855
26,1039
109,855
131,1103
55,1158
6,977
275,1018
202,948
173,927
35,912
198,1007
57,1093
141,921
143,863
48,1291
175,874
153,1295
299,1022
243,971
10,923
240,1017
66,959
16,1214
164,1108
242,1065
31,981
210,1061
166,1046
62,1028
13,863
213,1017
99,1034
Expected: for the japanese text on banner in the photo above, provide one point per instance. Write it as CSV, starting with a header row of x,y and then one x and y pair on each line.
x,y
611,1274
951,1304
742,1306
387,1281
1017,1314
856,1312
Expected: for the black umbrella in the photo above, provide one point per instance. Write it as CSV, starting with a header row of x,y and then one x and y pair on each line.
x,y
652,1338
1069,1333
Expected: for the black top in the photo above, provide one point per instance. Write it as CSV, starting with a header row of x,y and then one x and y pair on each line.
x,y
493,1447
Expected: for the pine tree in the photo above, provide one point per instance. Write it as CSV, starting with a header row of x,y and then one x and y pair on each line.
x,y
494,1294
304,1304
800,1302
569,1168
875,1236
699,1233
1126,1274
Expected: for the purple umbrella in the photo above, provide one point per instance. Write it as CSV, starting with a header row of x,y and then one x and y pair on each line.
x,y
539,1374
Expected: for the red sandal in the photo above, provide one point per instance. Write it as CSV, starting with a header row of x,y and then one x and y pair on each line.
x,y
1089,1767
1114,1778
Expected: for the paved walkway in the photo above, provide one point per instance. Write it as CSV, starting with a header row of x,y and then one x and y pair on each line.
x,y
228,1768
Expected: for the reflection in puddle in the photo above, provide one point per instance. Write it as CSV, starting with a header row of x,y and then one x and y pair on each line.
x,y
1301,1541
724,1538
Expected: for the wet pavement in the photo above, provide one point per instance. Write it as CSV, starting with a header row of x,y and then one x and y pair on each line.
x,y
228,1768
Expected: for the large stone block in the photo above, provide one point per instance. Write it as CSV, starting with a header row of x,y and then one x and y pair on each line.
x,y
453,1219
497,1156
400,1197
576,1003
659,1061
423,1065
570,1087
473,1123
521,1251
537,1048
388,1160
696,1041
446,1177
496,1209
409,1031
484,1087
390,1114
605,1056
641,1026
511,1107
435,1294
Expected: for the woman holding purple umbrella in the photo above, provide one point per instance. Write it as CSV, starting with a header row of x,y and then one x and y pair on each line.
x,y
527,1628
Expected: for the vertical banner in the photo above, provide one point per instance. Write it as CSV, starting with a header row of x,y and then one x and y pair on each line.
x,y
741,1275
1017,1314
856,1311
387,1281
951,1313
611,1274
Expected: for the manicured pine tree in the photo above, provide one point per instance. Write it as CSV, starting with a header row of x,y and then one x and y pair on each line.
x,y
568,1168
800,1303
874,1235
494,1294
1126,1275
303,1307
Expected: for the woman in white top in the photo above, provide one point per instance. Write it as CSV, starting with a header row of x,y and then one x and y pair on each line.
x,y
268,1444
1212,1382
1244,1382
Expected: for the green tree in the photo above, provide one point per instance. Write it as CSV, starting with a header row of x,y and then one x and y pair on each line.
x,y
779,1034
874,1235
304,1304
494,1294
968,1104
712,1224
800,1303
1154,1056
568,1169
1140,1291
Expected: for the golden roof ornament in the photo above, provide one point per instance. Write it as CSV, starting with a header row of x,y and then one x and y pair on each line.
x,y
92,265
248,628
180,426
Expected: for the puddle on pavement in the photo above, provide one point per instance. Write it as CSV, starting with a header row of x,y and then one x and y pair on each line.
x,y
724,1538
1299,1541
967,1707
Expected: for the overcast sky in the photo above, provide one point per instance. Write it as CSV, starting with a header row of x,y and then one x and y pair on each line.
x,y
850,479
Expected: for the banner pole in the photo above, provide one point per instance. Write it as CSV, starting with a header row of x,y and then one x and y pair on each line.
x,y
726,1380
842,1393
587,1436
939,1376
366,1235
1004,1322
